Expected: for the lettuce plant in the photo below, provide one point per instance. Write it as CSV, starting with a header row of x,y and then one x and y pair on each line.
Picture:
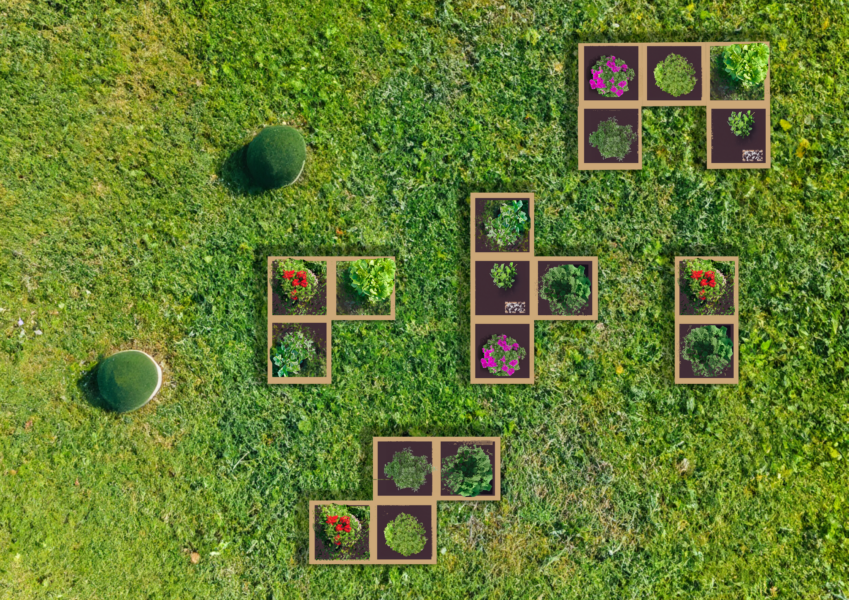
x,y
501,355
709,349
675,75
288,355
405,535
612,139
503,275
469,472
566,289
373,278
509,226
611,76
747,64
407,470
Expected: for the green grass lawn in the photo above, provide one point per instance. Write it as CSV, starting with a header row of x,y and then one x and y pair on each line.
x,y
126,223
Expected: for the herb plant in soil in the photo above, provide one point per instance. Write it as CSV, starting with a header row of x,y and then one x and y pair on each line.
x,y
501,355
503,275
407,470
510,224
364,286
741,123
342,532
469,472
613,140
405,535
296,353
709,350
675,75
300,287
566,288
738,71
708,287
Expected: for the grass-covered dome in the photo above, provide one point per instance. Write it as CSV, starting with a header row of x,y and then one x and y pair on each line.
x,y
276,156
128,380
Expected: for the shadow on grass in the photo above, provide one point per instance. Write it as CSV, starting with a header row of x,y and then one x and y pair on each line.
x,y
87,384
235,175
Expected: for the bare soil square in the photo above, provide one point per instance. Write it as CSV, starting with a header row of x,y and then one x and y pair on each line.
x,y
722,86
386,452
657,54
448,449
314,366
486,208
544,306
521,332
386,513
686,367
490,299
349,301
725,147
317,304
624,116
360,551
631,56
725,306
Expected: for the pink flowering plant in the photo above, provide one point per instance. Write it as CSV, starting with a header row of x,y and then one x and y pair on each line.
x,y
611,76
501,355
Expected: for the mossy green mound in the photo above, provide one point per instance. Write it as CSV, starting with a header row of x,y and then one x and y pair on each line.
x,y
276,156
128,380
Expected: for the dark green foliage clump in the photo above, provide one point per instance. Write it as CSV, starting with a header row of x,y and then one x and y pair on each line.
x,y
612,139
709,349
566,288
127,380
407,470
276,156
405,535
469,472
675,75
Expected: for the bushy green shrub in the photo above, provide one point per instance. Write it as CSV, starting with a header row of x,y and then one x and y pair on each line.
x,y
741,123
566,288
613,140
503,275
407,470
287,356
341,528
469,472
747,64
276,156
509,226
405,535
501,355
709,349
675,75
373,278
296,283
128,380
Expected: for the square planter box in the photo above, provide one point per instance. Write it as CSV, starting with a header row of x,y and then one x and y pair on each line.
x,y
722,87
384,450
523,333
589,56
732,152
656,55
589,312
484,204
491,300
684,372
491,446
363,551
425,514
350,306
589,157
320,333
316,306
728,305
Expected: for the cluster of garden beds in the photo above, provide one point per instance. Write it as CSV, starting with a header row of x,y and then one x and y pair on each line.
x,y
512,288
306,294
707,317
410,476
731,79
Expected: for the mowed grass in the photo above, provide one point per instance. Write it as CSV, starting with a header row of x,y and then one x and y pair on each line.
x,y
125,223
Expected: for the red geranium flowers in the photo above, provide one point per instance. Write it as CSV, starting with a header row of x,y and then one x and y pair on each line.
x,y
296,280
343,524
709,280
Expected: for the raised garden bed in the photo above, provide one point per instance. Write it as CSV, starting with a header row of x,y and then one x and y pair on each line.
x,y
593,54
696,298
340,533
404,468
689,342
300,361
493,300
488,211
728,148
448,453
282,303
424,515
587,311
660,55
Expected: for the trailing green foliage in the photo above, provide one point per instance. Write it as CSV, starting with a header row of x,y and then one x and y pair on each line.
x,y
747,64
709,349
373,278
509,226
407,470
503,275
288,355
566,288
405,534
741,123
276,156
467,473
613,140
675,75
128,380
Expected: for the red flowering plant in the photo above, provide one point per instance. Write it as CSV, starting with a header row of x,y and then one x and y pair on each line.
x,y
296,283
342,531
704,283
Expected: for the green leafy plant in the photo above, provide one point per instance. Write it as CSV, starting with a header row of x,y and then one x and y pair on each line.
x,y
405,534
296,283
509,226
407,470
613,140
675,75
469,472
501,355
287,356
566,288
703,283
373,278
342,529
709,349
503,275
741,123
276,156
747,64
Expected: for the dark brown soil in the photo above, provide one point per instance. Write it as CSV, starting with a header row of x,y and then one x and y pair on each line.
x,y
630,54
482,243
490,299
520,332
686,369
725,147
544,306
386,452
360,551
316,331
451,448
657,54
317,304
385,514
349,301
722,87
725,306
625,116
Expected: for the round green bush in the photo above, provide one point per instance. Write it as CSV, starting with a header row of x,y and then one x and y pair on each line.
x,y
405,535
675,75
276,157
128,380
